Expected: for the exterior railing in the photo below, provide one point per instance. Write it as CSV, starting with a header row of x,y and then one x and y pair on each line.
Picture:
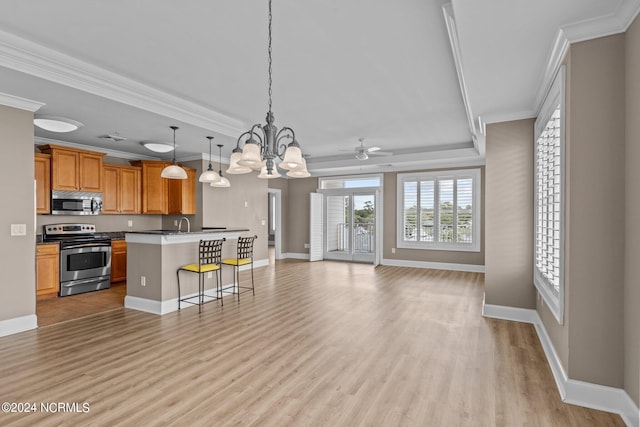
x,y
363,237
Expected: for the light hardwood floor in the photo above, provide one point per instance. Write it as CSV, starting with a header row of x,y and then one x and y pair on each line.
x,y
324,344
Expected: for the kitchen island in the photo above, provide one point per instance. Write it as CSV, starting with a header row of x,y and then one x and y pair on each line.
x,y
154,256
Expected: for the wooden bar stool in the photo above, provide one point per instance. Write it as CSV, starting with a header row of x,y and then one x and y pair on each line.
x,y
244,257
209,256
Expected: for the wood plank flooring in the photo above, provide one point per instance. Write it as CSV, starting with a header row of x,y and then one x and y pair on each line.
x,y
321,344
52,309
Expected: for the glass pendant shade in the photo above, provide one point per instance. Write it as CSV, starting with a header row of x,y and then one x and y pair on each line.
x,y
173,172
251,156
299,172
223,182
265,175
234,167
209,176
292,157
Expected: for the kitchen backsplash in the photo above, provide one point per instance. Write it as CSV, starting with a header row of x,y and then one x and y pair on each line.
x,y
104,223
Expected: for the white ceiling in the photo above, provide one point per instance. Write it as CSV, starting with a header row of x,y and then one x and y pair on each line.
x,y
376,69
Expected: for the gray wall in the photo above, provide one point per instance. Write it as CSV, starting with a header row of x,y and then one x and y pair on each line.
x,y
590,342
509,215
632,211
17,254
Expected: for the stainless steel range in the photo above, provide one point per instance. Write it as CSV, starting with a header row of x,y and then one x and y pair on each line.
x,y
85,257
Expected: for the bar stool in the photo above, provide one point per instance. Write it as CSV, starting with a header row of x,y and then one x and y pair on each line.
x,y
244,257
209,255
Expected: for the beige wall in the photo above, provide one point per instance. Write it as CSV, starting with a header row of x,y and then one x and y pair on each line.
x,y
225,207
508,215
590,342
17,254
296,232
632,212
390,230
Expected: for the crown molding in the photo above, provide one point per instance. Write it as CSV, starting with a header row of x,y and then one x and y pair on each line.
x,y
614,23
31,58
478,139
20,103
38,140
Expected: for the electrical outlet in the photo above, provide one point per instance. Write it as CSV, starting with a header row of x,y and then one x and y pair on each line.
x,y
263,222
393,250
175,222
246,204
143,281
130,223
210,275
307,245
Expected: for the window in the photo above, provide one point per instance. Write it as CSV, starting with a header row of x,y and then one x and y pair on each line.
x,y
549,199
439,210
361,181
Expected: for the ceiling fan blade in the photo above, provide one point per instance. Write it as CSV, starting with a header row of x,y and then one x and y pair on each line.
x,y
372,149
381,153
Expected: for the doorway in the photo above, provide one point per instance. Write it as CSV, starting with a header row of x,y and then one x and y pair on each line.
x,y
350,226
275,221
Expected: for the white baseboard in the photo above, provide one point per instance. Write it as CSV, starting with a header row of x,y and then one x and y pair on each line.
x,y
18,324
143,304
434,265
295,255
595,396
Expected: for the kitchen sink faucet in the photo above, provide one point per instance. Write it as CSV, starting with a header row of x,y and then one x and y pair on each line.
x,y
188,224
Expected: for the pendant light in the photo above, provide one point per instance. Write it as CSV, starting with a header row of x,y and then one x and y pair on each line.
x,y
264,143
209,175
299,172
174,171
223,182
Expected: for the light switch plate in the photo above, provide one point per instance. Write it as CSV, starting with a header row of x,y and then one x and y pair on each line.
x,y
18,229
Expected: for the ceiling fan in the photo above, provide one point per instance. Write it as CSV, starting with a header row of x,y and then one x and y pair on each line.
x,y
362,152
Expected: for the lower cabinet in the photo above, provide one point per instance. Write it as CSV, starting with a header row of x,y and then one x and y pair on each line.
x,y
118,261
47,269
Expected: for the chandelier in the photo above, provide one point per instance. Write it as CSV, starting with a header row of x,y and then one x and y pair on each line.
x,y
262,144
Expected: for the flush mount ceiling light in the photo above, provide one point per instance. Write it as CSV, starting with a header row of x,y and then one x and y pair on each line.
x,y
56,124
157,147
222,182
174,171
209,175
265,146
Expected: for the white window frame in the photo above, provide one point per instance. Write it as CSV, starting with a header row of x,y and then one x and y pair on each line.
x,y
475,175
555,97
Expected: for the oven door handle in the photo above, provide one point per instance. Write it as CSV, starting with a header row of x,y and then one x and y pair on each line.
x,y
87,245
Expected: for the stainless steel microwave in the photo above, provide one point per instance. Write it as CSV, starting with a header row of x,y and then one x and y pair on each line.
x,y
75,203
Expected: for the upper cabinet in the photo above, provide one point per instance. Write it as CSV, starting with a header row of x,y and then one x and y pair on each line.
x,y
182,194
74,170
166,196
122,189
155,189
42,175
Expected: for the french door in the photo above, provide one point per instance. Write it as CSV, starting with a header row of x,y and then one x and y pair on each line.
x,y
350,225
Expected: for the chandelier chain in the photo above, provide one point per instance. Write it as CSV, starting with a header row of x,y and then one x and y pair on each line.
x,y
270,70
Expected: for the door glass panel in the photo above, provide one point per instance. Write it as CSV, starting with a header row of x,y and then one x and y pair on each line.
x,y
338,223
364,223
445,219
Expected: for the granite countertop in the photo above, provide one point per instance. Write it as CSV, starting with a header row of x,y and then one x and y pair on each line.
x,y
203,230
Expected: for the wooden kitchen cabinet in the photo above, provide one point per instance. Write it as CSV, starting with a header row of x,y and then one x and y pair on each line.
x,y
182,194
122,189
118,261
155,189
42,175
74,170
47,269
